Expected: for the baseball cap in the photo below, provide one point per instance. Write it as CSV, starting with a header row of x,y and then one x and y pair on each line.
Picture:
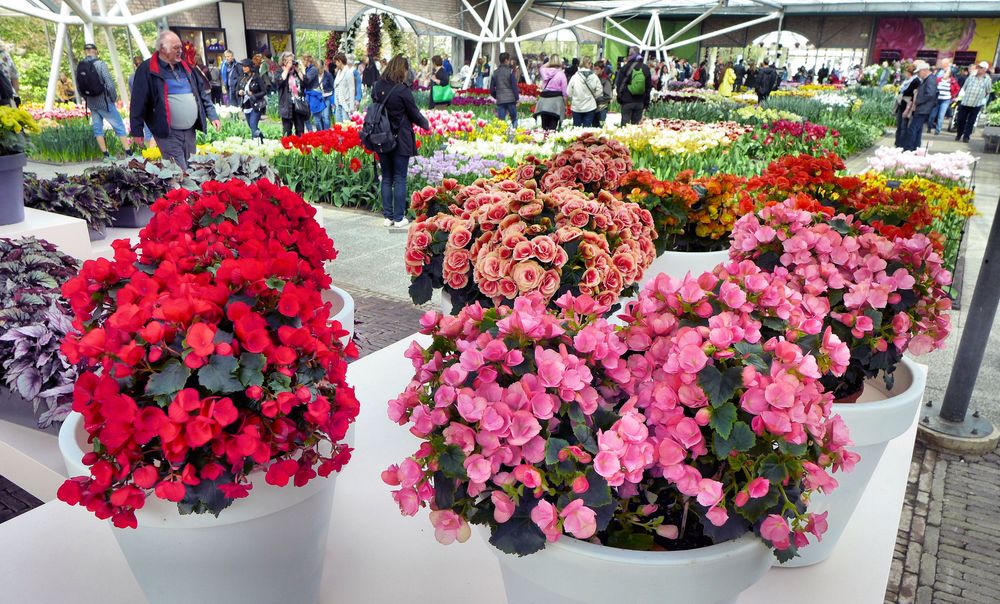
x,y
89,47
984,65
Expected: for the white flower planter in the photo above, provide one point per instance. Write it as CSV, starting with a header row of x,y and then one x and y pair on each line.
x,y
570,571
343,309
679,264
878,417
268,547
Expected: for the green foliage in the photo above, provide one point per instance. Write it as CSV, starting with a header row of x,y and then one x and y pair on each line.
x,y
71,141
328,178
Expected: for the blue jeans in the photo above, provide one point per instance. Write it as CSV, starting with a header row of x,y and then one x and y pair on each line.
x,y
114,118
584,118
479,81
339,114
942,110
505,109
393,185
253,119
915,131
321,120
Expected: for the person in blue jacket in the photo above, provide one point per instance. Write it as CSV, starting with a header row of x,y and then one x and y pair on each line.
x,y
448,69
358,91
169,96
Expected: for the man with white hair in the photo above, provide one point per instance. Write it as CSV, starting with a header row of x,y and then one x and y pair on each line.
x,y
925,102
973,95
169,96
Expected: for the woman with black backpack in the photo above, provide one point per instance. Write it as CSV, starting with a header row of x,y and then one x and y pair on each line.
x,y
392,90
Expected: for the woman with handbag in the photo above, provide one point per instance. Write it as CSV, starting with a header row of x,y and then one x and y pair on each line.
x,y
585,93
292,104
251,95
393,90
551,105
441,90
343,89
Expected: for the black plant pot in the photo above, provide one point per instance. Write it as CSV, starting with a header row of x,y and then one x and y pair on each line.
x,y
131,217
16,410
12,188
98,233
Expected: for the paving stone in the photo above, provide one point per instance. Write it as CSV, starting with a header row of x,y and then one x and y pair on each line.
x,y
14,501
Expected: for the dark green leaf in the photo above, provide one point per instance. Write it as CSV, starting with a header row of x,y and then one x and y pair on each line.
x,y
773,469
519,535
552,448
444,491
450,462
723,418
217,376
168,381
275,283
251,369
634,541
719,386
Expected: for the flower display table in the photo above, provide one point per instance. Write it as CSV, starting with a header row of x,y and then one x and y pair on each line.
x,y
65,232
370,541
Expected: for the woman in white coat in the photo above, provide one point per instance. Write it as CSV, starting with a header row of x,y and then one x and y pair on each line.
x,y
343,89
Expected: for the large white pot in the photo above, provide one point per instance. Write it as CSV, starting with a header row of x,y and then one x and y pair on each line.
x,y
679,264
343,309
879,416
268,547
571,571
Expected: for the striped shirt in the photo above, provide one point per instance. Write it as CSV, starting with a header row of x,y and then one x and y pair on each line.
x,y
976,91
944,89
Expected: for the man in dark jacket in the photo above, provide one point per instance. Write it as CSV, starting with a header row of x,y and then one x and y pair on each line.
x,y
633,103
766,81
926,101
741,72
504,90
169,96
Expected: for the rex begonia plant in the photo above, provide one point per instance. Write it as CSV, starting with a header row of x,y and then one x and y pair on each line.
x,y
493,241
210,356
882,297
681,430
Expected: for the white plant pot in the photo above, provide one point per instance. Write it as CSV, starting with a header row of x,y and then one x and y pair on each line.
x,y
571,571
878,417
343,309
268,547
679,264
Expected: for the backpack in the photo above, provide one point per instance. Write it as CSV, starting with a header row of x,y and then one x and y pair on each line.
x,y
376,133
88,80
637,81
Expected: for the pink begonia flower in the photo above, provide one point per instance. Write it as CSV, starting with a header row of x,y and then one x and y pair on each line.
x,y
758,487
717,515
523,427
817,525
390,475
579,520
408,501
775,529
709,492
528,476
545,516
410,472
449,527
667,531
503,506
478,468
607,464
741,499
580,485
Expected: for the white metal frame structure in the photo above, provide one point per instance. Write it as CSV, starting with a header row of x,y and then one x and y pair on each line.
x,y
499,24
81,12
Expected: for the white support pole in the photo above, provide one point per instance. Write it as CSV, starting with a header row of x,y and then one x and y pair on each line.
x,y
50,92
726,30
654,18
85,11
646,37
621,8
156,13
513,21
123,91
696,21
48,15
122,5
628,34
458,33
479,44
517,45
498,26
586,28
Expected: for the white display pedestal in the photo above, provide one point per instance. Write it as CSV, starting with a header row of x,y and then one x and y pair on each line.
x,y
66,233
376,555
